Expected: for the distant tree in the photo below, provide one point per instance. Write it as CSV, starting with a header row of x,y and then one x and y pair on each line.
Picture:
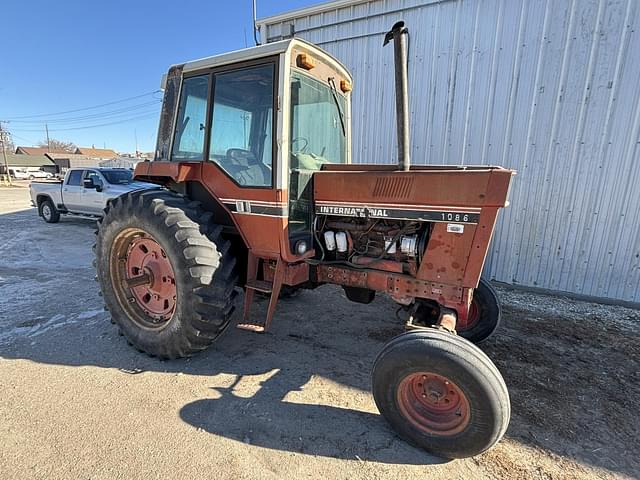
x,y
58,145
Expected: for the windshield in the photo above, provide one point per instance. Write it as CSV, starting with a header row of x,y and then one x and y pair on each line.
x,y
317,134
317,137
118,177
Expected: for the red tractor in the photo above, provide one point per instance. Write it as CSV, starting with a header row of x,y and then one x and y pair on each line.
x,y
257,192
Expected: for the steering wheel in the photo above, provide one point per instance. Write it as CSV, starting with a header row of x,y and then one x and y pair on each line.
x,y
303,139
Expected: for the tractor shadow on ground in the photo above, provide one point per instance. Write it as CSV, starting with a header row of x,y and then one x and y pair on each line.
x,y
266,419
278,389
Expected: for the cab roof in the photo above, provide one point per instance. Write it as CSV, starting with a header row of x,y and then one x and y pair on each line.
x,y
260,51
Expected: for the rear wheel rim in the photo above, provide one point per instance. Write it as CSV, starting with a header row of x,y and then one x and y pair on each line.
x,y
143,279
433,404
46,212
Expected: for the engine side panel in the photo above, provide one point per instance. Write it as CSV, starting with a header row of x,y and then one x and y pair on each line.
x,y
458,205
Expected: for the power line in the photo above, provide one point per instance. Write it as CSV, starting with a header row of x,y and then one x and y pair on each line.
x,y
91,116
89,121
147,115
122,117
13,135
40,115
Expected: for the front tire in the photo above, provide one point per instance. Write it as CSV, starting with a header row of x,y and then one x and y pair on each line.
x,y
166,273
441,393
49,212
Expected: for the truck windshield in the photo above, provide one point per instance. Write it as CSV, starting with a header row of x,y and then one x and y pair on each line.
x,y
118,177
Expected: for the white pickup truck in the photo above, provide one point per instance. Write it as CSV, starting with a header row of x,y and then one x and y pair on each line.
x,y
30,173
84,191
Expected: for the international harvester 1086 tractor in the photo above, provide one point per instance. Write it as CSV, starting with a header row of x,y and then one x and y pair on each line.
x,y
257,192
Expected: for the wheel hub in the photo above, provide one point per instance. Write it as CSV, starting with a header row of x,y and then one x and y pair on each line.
x,y
150,278
433,404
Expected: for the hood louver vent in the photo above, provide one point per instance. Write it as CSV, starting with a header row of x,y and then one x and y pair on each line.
x,y
390,187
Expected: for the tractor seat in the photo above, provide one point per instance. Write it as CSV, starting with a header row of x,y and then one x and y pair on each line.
x,y
245,168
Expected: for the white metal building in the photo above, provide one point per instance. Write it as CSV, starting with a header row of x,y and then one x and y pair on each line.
x,y
548,87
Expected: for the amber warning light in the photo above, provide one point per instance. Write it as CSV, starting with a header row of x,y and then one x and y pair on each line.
x,y
305,61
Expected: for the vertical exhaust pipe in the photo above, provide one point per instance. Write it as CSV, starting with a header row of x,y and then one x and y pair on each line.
x,y
400,34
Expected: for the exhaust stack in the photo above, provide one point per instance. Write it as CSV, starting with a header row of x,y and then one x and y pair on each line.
x,y
400,34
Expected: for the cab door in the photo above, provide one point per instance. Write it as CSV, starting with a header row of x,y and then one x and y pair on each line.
x,y
232,130
92,199
72,191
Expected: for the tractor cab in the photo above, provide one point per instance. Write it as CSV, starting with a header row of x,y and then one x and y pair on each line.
x,y
251,127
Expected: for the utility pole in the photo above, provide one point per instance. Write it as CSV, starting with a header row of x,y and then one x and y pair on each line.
x,y
46,127
4,153
135,132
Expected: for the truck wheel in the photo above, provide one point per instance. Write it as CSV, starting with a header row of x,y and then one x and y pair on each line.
x,y
167,276
484,314
49,212
441,393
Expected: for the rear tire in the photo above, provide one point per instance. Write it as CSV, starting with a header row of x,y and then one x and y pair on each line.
x,y
484,314
441,393
48,212
190,296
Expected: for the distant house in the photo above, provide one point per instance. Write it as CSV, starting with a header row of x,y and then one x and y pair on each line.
x,y
102,153
37,151
21,160
66,160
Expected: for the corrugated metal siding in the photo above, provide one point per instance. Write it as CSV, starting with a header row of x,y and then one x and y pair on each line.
x,y
549,88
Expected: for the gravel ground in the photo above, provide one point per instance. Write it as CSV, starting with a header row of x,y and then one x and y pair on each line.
x,y
77,402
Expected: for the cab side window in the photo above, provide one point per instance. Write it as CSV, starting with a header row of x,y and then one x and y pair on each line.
x,y
188,142
242,123
75,178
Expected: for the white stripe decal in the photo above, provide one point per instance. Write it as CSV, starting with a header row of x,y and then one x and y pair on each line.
x,y
256,202
259,214
403,206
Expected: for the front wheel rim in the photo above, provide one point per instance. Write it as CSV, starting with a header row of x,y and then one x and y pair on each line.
x,y
473,317
433,404
143,279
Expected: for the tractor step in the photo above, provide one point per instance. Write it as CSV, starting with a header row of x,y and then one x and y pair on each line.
x,y
260,286
256,285
251,327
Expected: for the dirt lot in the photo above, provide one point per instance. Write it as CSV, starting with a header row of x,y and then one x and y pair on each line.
x,y
77,402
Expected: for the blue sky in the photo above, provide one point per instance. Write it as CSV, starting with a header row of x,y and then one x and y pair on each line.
x,y
72,54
